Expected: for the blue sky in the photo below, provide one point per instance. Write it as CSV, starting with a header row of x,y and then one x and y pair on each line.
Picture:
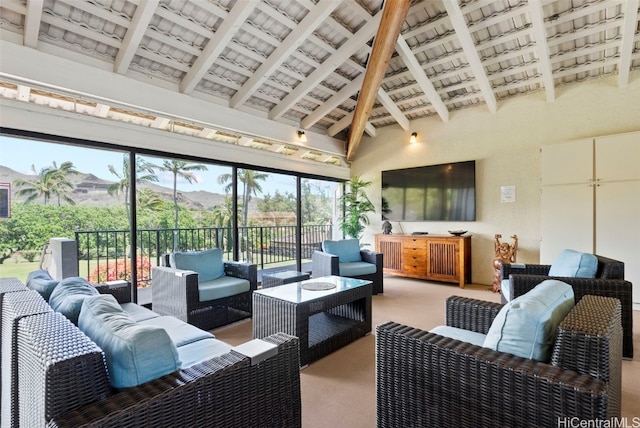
x,y
20,154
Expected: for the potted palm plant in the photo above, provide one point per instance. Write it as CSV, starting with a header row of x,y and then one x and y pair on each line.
x,y
356,205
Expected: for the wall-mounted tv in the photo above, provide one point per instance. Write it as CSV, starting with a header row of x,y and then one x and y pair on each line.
x,y
445,192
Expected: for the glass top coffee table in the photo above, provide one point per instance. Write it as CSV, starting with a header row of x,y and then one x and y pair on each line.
x,y
325,313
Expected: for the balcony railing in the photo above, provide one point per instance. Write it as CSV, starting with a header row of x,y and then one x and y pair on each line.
x,y
104,255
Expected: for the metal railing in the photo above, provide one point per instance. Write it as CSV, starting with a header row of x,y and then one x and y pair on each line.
x,y
104,255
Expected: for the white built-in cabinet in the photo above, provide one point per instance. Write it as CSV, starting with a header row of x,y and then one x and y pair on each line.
x,y
591,200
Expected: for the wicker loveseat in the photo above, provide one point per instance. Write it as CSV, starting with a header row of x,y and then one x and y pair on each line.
x,y
53,375
609,282
427,380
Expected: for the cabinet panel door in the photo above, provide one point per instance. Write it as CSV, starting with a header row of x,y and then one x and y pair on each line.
x,y
618,157
570,162
567,220
618,227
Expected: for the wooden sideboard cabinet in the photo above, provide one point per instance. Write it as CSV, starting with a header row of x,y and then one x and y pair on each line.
x,y
433,257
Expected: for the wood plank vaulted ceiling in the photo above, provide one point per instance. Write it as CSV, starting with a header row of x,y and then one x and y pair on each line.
x,y
303,62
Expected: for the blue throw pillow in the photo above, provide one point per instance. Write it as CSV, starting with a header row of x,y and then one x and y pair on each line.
x,y
571,263
347,250
135,353
41,281
68,295
527,325
208,263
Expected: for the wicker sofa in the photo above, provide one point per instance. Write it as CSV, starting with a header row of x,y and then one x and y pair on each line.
x,y
609,282
58,376
427,380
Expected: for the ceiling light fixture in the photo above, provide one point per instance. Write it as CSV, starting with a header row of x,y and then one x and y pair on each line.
x,y
414,137
302,137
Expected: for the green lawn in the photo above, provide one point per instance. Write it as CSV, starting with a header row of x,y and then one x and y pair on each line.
x,y
19,270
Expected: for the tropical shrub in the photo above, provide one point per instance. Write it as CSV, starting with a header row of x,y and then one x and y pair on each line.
x,y
121,269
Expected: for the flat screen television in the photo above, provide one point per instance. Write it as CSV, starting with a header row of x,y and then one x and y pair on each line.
x,y
445,192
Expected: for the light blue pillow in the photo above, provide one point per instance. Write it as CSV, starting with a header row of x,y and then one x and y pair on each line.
x,y
527,325
41,281
135,353
68,295
571,263
208,263
347,250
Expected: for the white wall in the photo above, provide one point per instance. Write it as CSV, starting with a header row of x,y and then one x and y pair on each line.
x,y
506,146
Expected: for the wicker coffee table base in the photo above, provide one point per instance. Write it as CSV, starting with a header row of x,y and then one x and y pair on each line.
x,y
323,325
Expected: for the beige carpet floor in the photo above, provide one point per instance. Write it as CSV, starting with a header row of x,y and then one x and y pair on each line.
x,y
338,391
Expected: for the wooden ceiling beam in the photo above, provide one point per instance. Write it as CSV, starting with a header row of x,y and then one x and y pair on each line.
x,y
393,16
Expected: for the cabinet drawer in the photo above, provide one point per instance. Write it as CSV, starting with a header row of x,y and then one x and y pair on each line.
x,y
418,269
414,243
414,252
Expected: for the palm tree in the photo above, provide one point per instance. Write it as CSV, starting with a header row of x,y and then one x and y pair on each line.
x,y
147,199
222,216
250,186
145,173
183,170
61,183
50,181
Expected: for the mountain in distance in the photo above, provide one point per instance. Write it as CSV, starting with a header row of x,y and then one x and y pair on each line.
x,y
92,191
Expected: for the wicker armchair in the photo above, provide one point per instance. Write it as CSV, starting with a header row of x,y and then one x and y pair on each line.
x,y
427,380
175,292
609,282
325,264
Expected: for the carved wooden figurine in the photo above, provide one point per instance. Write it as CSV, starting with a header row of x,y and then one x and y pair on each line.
x,y
504,253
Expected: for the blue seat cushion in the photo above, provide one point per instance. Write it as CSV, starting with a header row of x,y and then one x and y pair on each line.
x,y
356,269
347,250
137,312
202,350
571,263
41,281
68,295
180,332
460,334
208,263
527,325
224,286
134,353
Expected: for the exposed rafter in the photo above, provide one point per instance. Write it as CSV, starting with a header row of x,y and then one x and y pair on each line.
x,y
393,109
345,51
393,16
32,22
462,31
333,102
421,78
626,46
139,24
299,34
217,44
540,35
